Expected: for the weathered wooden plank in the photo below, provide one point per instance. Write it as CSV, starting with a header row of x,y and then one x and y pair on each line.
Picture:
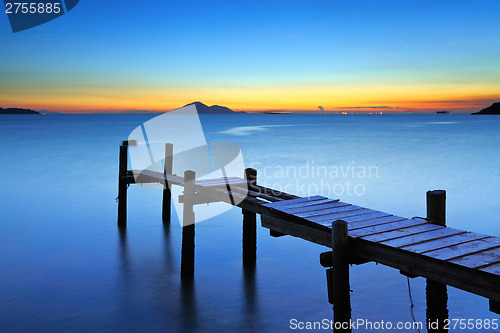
x,y
418,248
463,278
291,202
349,217
315,205
311,203
422,237
219,183
272,192
364,221
372,222
148,176
377,229
340,215
492,269
215,180
314,235
436,244
479,259
198,199
221,194
366,217
477,282
247,192
329,211
464,248
258,195
216,185
385,236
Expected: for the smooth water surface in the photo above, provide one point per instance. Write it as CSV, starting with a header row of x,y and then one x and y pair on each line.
x,y
65,266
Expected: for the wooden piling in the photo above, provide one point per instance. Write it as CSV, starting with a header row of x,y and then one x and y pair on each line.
x,y
340,279
436,293
250,225
373,240
494,306
167,195
122,185
436,207
188,235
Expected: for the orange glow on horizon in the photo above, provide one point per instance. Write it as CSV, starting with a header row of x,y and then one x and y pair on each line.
x,y
369,98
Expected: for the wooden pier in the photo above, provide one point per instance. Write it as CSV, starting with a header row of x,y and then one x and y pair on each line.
x,y
423,247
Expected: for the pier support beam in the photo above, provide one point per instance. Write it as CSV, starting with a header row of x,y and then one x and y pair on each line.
x,y
167,195
494,306
436,293
250,225
122,185
187,252
340,288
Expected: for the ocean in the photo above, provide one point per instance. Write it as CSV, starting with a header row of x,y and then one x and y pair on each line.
x,y
65,266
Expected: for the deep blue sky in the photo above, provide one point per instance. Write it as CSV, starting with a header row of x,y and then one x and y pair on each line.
x,y
256,55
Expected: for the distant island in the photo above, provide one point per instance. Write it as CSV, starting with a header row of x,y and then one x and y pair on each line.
x,y
492,109
17,111
200,107
214,109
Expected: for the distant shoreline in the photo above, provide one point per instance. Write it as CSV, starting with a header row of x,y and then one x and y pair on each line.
x,y
18,111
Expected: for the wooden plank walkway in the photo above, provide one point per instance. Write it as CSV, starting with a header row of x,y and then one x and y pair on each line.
x,y
459,258
417,246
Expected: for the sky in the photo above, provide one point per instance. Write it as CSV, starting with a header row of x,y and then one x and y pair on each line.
x,y
158,55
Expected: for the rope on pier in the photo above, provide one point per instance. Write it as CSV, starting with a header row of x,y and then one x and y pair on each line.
x,y
412,305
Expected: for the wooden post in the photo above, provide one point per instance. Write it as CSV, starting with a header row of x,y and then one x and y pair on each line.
x,y
340,279
494,306
167,195
436,207
250,225
187,253
122,185
436,293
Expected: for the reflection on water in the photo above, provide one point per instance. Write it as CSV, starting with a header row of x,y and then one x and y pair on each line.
x,y
189,313
66,267
125,262
251,305
437,306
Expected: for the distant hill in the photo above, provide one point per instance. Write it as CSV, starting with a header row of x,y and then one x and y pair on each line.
x,y
492,109
17,111
214,109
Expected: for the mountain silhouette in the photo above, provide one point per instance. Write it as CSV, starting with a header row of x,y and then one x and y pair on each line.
x,y
214,109
492,109
17,111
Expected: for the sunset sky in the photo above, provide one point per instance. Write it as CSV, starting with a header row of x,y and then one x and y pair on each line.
x,y
400,55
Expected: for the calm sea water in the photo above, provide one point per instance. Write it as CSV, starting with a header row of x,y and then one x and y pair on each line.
x,y
65,267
